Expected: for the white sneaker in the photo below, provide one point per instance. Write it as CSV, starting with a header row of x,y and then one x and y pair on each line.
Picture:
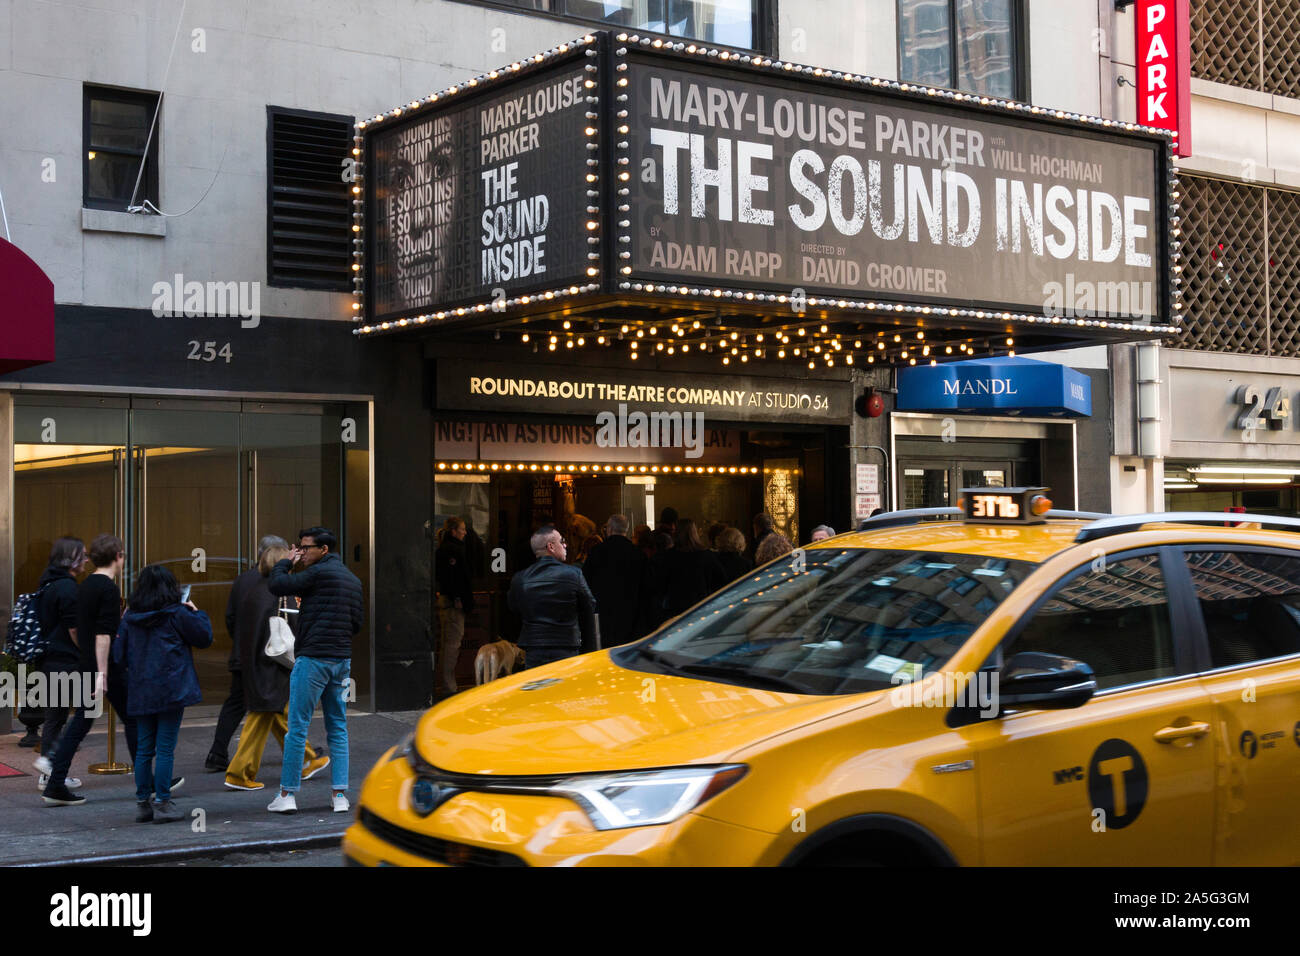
x,y
43,765
284,804
341,804
72,783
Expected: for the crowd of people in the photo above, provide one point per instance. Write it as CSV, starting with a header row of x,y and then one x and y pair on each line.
x,y
621,586
142,659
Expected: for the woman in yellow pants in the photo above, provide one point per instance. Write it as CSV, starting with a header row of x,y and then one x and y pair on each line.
x,y
266,683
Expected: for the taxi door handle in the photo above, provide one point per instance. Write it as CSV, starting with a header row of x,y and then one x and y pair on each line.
x,y
1167,735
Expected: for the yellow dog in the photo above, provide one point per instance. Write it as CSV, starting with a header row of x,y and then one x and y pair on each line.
x,y
492,659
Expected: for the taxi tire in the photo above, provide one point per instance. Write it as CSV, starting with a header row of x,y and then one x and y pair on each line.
x,y
845,859
871,840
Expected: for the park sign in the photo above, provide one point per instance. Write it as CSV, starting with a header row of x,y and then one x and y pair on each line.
x,y
631,170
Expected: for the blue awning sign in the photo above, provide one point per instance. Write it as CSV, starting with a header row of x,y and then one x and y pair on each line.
x,y
1006,386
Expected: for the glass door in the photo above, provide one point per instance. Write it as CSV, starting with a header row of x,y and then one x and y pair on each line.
x,y
924,484
186,505
69,479
191,485
985,474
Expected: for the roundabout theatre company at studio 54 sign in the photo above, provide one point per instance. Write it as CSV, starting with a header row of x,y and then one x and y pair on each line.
x,y
609,167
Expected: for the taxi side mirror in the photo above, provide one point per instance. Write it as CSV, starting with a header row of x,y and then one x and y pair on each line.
x,y
1033,680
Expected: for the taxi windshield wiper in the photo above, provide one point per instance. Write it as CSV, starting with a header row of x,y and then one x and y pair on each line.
x,y
652,655
743,677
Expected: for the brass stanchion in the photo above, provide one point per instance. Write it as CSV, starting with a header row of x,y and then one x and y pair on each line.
x,y
112,766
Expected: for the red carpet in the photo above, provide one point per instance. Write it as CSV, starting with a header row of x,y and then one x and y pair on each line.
x,y
8,771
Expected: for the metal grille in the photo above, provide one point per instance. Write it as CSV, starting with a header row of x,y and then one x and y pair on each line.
x,y
1223,266
1284,270
309,234
1282,47
434,848
1225,41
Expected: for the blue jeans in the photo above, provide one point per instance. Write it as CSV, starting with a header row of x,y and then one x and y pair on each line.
x,y
155,746
313,679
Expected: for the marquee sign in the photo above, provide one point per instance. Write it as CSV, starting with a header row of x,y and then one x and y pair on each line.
x,y
480,199
772,185
627,169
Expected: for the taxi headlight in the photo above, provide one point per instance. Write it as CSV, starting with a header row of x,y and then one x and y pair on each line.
x,y
647,797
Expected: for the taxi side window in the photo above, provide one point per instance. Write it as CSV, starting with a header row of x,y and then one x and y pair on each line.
x,y
1250,601
1113,617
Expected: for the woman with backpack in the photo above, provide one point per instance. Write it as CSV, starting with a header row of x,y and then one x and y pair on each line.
x,y
154,647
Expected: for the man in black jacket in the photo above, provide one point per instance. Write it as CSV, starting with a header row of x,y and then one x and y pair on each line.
x,y
455,601
558,610
617,571
329,617
66,658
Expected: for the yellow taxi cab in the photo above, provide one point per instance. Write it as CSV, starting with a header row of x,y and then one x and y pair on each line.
x,y
1016,686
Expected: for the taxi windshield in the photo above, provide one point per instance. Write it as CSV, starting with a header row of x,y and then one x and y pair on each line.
x,y
833,620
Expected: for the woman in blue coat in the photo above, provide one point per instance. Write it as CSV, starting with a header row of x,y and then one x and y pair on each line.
x,y
153,646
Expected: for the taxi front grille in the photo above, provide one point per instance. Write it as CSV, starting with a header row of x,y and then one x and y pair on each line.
x,y
438,850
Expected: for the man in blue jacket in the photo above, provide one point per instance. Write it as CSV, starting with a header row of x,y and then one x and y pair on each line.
x,y
329,617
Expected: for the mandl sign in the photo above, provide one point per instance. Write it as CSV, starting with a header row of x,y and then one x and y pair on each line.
x,y
1010,385
1164,69
763,183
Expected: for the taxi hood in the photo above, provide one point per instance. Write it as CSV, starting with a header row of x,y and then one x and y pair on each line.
x,y
589,714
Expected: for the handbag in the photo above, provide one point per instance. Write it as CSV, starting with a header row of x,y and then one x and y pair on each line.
x,y
279,646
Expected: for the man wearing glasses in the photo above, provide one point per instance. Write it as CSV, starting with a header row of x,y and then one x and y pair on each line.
x,y
329,617
552,598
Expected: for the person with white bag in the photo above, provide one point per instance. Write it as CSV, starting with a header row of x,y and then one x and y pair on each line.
x,y
266,643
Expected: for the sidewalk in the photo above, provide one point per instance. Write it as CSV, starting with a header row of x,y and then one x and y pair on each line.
x,y
103,829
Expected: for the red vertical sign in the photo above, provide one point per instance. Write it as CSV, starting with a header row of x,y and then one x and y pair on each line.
x,y
1164,69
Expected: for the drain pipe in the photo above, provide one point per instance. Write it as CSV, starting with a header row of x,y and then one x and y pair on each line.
x,y
1148,423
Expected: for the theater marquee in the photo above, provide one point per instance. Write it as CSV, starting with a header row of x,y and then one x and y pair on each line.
x,y
761,185
625,178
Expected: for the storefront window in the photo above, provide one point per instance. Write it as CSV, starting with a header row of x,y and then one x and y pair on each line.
x,y
192,486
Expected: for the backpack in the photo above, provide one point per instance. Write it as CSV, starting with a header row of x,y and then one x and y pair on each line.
x,y
25,641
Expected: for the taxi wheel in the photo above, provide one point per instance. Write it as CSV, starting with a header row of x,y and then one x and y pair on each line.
x,y
849,858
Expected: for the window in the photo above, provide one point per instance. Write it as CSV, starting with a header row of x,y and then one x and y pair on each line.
x,y
1240,286
1241,290
1115,620
726,22
971,45
1250,601
119,150
1248,43
852,620
309,213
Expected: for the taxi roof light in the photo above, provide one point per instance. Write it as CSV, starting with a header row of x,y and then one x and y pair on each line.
x,y
1034,499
